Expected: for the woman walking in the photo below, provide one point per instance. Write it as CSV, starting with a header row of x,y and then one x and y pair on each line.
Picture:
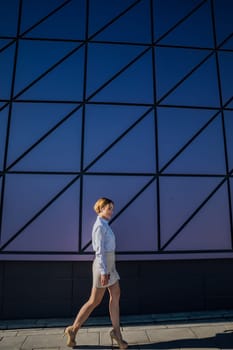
x,y
104,275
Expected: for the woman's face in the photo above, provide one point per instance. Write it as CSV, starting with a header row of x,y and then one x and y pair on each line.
x,y
107,211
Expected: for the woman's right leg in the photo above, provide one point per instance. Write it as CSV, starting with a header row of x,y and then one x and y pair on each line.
x,y
85,311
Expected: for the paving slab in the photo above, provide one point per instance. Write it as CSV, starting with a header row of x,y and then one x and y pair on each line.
x,y
42,341
215,333
170,334
12,343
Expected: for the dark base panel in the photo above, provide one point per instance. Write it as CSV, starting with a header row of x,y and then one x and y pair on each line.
x,y
58,289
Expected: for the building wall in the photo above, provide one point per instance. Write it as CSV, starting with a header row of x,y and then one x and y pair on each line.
x,y
130,100
58,289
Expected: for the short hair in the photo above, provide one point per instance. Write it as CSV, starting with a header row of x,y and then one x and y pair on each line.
x,y
100,204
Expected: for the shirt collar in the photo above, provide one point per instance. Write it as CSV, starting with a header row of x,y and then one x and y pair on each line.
x,y
103,220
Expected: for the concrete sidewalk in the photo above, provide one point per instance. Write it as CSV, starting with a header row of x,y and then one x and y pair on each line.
x,y
212,330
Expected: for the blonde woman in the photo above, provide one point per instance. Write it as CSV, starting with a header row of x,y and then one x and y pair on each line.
x,y
104,275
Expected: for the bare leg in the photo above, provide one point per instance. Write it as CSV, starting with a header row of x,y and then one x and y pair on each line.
x,y
85,311
114,308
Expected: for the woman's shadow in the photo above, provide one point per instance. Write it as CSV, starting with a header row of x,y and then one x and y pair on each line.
x,y
220,340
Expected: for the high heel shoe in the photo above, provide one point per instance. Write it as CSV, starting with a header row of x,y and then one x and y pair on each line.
x,y
120,342
71,336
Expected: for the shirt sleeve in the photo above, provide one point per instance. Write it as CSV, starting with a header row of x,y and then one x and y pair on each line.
x,y
100,251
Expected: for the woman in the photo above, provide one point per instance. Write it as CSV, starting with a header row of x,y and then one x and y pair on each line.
x,y
104,275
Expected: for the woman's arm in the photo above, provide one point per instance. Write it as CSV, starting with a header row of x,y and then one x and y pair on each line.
x,y
99,249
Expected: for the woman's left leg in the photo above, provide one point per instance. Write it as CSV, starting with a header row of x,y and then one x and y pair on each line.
x,y
114,310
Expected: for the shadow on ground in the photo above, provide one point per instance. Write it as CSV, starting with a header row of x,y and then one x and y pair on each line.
x,y
220,340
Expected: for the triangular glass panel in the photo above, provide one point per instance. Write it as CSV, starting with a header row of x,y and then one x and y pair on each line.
x,y
55,229
179,198
133,233
59,151
34,60
30,122
223,17
135,152
3,130
9,18
34,11
134,85
196,30
121,189
226,74
231,189
173,64
25,196
229,137
168,13
228,44
57,25
65,82
205,155
199,89
1,105
125,30
176,126
6,71
105,60
209,229
102,12
4,43
99,118
230,103
0,196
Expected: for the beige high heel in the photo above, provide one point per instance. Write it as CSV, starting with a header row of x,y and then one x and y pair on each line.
x,y
120,342
71,336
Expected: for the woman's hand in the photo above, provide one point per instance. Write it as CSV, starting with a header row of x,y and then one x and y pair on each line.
x,y
104,279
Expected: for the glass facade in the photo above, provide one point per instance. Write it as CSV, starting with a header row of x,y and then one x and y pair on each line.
x,y
131,100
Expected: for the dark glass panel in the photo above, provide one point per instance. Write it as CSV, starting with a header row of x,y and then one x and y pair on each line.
x,y
199,89
135,85
172,65
56,229
65,81
103,11
59,151
229,44
179,198
176,127
135,152
138,232
105,61
67,23
35,11
113,119
30,122
229,137
223,16
210,227
168,13
196,30
6,71
226,74
121,189
205,155
25,196
133,26
8,17
3,129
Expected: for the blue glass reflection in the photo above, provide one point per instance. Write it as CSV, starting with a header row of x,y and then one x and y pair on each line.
x,y
8,17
